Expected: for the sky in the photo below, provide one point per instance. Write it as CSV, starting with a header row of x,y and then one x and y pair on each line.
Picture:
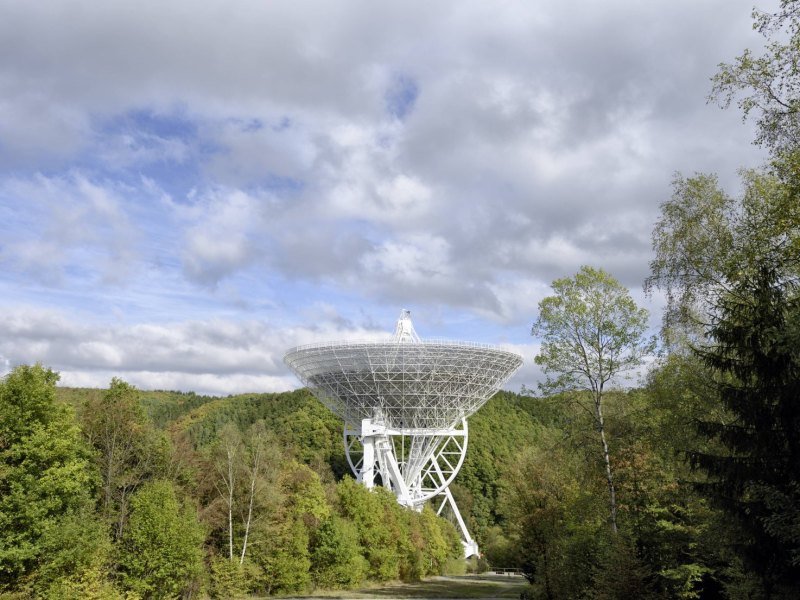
x,y
189,189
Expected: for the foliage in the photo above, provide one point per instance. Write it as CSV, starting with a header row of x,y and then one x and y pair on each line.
x,y
160,550
283,560
496,434
282,542
670,543
756,361
768,85
291,526
729,267
336,559
705,240
592,332
620,573
667,522
551,501
397,543
379,541
531,483
226,578
45,480
78,560
128,450
436,547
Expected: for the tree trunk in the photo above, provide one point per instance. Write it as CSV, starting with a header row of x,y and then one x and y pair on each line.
x,y
607,459
122,516
230,505
108,487
253,476
548,590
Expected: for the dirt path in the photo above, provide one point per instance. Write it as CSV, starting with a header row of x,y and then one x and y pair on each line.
x,y
461,587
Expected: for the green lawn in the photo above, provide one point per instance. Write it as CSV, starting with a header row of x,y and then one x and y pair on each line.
x,y
467,586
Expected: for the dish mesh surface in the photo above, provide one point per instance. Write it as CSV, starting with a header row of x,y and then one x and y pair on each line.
x,y
422,385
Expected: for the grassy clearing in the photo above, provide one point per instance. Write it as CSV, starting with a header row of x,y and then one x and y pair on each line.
x,y
465,586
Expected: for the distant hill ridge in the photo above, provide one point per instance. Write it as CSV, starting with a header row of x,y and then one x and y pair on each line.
x,y
504,425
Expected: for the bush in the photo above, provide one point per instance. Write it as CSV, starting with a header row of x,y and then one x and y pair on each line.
x,y
336,559
455,566
227,580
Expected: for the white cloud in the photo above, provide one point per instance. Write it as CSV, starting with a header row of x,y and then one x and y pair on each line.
x,y
55,223
530,373
203,383
214,356
170,163
415,261
222,234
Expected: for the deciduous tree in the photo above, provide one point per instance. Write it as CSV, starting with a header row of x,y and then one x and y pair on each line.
x,y
741,295
592,332
45,478
129,450
161,548
336,561
768,86
705,239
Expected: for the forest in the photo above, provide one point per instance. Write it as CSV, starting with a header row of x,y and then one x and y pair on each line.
x,y
643,466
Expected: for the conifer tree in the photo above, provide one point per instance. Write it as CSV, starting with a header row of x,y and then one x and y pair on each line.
x,y
755,357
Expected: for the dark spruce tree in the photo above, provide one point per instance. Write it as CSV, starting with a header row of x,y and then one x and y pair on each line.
x,y
754,355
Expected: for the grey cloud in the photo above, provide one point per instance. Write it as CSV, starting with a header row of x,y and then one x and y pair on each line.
x,y
541,136
272,151
36,131
319,252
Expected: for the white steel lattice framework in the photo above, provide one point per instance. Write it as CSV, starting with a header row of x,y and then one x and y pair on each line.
x,y
405,404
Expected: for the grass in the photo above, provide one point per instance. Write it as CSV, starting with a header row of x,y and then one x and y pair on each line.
x,y
465,586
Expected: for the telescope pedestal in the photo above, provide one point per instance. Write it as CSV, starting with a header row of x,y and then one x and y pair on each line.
x,y
415,464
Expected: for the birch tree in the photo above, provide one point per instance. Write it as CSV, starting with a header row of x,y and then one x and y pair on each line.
x,y
246,468
227,467
592,333
766,86
261,463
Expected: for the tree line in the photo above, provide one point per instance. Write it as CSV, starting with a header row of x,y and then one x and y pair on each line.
x,y
98,502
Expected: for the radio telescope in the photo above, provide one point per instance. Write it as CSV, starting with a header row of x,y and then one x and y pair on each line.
x,y
405,404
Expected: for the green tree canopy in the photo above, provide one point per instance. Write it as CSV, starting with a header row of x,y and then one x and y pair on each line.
x,y
754,356
161,548
592,332
729,267
46,478
705,240
336,560
128,449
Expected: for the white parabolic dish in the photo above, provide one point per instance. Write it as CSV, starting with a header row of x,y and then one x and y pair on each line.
x,y
409,385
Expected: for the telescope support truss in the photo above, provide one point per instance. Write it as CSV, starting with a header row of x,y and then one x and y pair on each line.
x,y
416,465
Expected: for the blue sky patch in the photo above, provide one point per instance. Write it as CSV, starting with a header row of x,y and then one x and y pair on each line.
x,y
401,96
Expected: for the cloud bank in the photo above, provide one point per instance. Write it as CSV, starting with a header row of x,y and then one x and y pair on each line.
x,y
188,189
